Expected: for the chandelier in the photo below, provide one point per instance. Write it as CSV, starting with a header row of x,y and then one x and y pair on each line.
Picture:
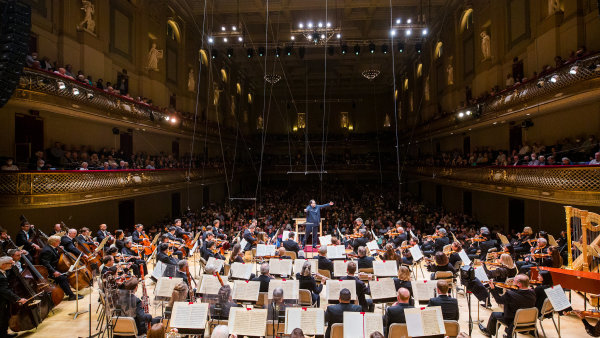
x,y
319,33
371,72
272,78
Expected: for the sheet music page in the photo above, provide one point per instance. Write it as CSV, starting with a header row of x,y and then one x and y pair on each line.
x,y
385,268
334,286
243,243
557,297
423,289
373,246
159,269
372,322
354,326
241,270
325,240
189,316
340,268
280,266
290,288
382,288
335,251
503,239
265,250
425,321
247,322
217,263
210,285
464,258
416,253
246,290
298,263
194,249
412,234
310,320
481,275
165,285
413,316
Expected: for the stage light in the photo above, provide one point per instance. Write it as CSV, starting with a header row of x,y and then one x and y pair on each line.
x,y
328,24
418,48
344,49
573,70
277,52
293,38
320,24
384,48
288,50
301,25
234,28
301,52
223,28
229,52
250,52
400,47
75,91
372,48
261,51
310,25
409,21
90,95
461,115
210,40
330,50
398,21
408,32
214,53
173,120
393,32
225,40
339,36
322,36
554,78
357,50
425,31
167,118
240,39
468,112
61,85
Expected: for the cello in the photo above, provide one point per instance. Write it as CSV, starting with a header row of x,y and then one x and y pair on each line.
x,y
80,279
148,247
92,261
29,315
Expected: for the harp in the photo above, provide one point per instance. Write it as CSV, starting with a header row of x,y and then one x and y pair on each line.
x,y
583,239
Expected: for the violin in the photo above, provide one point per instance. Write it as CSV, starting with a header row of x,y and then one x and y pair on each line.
x,y
504,285
494,264
592,314
476,239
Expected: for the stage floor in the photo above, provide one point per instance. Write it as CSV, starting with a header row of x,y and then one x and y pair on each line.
x,y
61,324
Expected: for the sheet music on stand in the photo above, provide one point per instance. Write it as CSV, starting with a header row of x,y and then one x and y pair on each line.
x,y
241,270
291,288
340,268
557,297
243,244
164,287
464,258
334,286
245,290
373,247
193,250
412,234
416,253
362,324
503,239
425,321
423,290
385,268
247,321
481,275
189,316
159,270
265,250
325,240
336,252
282,267
217,263
100,246
310,320
298,263
382,289
552,241
209,285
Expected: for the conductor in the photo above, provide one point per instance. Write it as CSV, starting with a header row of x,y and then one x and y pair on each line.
x,y
313,219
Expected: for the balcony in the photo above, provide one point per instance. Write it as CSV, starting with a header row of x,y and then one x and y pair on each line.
x,y
577,185
60,188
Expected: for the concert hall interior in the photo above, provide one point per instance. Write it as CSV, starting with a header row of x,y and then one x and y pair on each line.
x,y
286,168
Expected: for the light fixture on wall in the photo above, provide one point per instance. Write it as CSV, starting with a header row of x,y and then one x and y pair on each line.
x,y
61,85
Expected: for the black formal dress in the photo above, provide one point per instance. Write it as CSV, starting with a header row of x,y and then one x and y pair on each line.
x,y
361,290
291,245
365,262
250,240
69,245
324,263
264,282
22,239
309,283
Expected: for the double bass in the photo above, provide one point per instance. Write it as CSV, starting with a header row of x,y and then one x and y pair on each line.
x,y
80,279
29,315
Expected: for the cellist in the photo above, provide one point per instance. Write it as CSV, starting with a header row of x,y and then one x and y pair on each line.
x,y
49,259
67,242
179,232
84,237
138,234
7,296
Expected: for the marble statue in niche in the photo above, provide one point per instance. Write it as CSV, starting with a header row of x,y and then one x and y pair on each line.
x,y
216,94
486,46
88,24
191,80
450,71
553,7
153,56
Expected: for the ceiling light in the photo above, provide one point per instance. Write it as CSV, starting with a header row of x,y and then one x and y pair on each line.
x,y
234,28
229,52
409,21
75,91
384,48
468,112
461,115
293,38
320,24
339,36
288,50
210,40
401,47
250,52
261,51
240,39
554,78
301,25
61,85
328,24
393,32
573,70
173,120
344,49
418,48
223,28
408,32
322,36
310,25
167,118
214,53
277,52
224,39
425,31
398,21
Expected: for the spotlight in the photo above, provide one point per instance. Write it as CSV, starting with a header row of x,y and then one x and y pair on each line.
x,y
418,48
310,25
90,95
214,53
61,85
261,51
293,38
301,25
75,91
301,52
573,70
223,28
240,39
320,24
173,120
344,49
330,50
409,21
234,28
225,40
425,31
384,48
210,40
229,52
372,48
277,52
322,36
554,78
408,32
357,50
339,36
328,24
400,47
250,52
461,115
288,50
167,118
393,32
468,112
541,83
398,21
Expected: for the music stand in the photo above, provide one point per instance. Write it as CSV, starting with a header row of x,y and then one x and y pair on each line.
x,y
72,269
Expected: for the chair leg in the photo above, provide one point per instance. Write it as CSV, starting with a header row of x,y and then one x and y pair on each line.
x,y
554,323
542,326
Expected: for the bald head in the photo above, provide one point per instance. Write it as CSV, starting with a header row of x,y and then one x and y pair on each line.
x,y
323,251
403,295
264,269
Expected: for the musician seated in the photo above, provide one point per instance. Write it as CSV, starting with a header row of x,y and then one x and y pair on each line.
x,y
220,310
486,245
454,255
163,255
335,313
276,309
395,313
108,265
68,243
237,255
119,239
324,263
523,246
531,261
49,259
56,229
290,245
506,269
210,250
264,278
132,306
102,233
545,279
137,234
84,237
407,257
16,255
512,300
364,262
449,305
175,252
171,235
442,263
361,288
404,281
432,246
24,238
136,260
179,232
7,296
308,282
362,240
248,235
182,269
217,230
401,237
592,330
4,240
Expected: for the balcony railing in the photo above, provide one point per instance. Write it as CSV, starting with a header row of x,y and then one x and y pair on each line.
x,y
572,184
53,188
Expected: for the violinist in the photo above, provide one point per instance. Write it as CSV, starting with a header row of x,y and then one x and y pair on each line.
x,y
264,278
57,229
361,288
364,262
171,235
102,233
541,248
390,254
173,247
49,259
522,245
251,241
441,264
237,255
136,260
109,265
401,237
68,244
406,254
454,254
505,270
211,251
324,263
361,240
137,234
179,232
404,281
182,271
217,230
486,245
434,245
281,253
163,256
7,296
290,245
24,237
119,243
308,282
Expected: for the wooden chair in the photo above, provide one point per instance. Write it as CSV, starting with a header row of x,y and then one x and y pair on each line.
x,y
525,321
292,254
337,330
262,299
548,309
226,268
452,328
365,270
279,329
446,276
124,326
305,298
398,330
